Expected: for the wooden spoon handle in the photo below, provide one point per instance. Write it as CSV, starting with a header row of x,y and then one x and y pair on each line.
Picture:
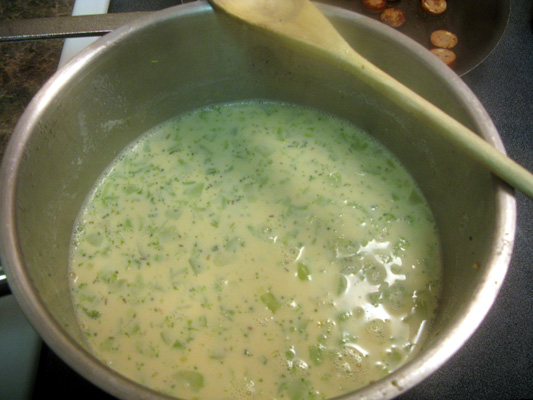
x,y
458,134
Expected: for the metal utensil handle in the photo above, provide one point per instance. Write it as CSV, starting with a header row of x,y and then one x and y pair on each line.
x,y
64,27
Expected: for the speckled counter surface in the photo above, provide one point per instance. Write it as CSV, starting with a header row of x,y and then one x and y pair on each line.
x,y
497,362
25,66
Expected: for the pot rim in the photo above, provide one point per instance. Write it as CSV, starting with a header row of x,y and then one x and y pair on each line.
x,y
77,357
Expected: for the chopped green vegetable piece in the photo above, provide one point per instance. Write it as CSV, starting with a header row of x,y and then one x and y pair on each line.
x,y
374,273
303,272
173,213
108,344
191,379
415,198
334,179
397,297
344,316
316,353
196,265
91,313
298,389
95,239
323,201
178,345
193,189
342,285
131,188
270,301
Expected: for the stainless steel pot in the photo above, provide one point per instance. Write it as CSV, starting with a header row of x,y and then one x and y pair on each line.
x,y
189,56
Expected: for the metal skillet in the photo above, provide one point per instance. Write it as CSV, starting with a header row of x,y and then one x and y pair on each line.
x,y
479,24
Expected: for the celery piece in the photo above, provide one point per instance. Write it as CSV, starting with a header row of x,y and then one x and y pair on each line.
x,y
397,297
95,238
270,301
334,179
323,201
374,298
394,357
401,245
165,337
193,189
303,272
131,188
262,232
178,345
91,313
108,344
233,244
316,353
298,389
131,327
169,341
217,354
190,379
173,213
415,198
388,217
107,276
345,248
291,353
342,286
196,265
343,316
375,274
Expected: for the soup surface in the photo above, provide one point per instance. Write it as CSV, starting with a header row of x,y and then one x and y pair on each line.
x,y
255,250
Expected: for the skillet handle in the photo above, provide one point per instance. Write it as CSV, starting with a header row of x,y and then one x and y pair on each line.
x,y
64,27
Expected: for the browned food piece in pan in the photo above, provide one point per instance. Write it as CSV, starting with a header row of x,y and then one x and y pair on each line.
x,y
434,7
446,55
443,39
393,17
374,6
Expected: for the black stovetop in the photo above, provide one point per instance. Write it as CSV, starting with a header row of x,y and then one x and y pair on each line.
x,y
496,363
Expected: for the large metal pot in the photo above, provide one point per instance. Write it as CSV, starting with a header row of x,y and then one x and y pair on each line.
x,y
189,56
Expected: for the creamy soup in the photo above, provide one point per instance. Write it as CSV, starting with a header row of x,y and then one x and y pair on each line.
x,y
255,251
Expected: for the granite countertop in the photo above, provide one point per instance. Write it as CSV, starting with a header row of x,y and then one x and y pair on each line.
x,y
26,66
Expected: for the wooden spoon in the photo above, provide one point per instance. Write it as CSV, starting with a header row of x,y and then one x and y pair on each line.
x,y
301,21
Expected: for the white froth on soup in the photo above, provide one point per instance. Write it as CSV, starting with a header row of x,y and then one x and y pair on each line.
x,y
255,251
